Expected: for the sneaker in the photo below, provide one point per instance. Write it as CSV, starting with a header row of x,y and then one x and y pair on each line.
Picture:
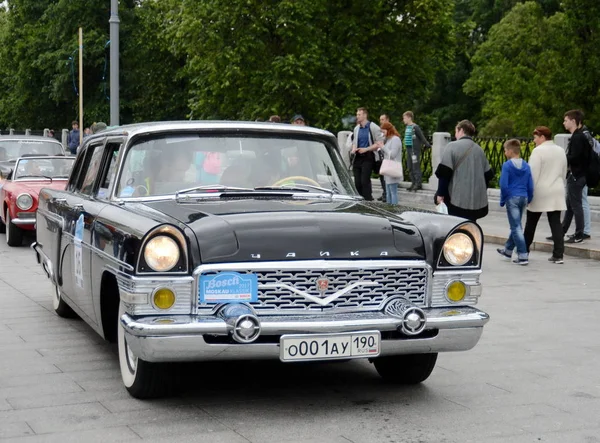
x,y
521,261
575,239
417,188
503,253
586,236
556,260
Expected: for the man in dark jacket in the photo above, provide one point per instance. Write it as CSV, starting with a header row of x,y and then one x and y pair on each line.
x,y
73,139
414,140
578,151
367,140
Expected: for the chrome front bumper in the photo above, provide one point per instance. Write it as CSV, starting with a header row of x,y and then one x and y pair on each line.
x,y
182,338
23,221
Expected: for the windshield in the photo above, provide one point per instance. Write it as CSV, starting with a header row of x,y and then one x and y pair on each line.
x,y
175,163
13,149
44,167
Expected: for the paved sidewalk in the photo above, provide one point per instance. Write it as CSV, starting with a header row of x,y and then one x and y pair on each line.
x,y
495,226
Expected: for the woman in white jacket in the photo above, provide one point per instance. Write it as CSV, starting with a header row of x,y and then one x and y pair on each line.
x,y
548,164
392,150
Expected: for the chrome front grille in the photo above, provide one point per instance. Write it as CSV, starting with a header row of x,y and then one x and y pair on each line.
x,y
360,286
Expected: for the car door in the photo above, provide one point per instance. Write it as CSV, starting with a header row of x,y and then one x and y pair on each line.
x,y
80,212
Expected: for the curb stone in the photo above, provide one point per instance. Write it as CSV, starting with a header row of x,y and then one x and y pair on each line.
x,y
541,246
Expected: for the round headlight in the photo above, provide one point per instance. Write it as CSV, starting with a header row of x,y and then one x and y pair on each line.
x,y
24,201
458,249
161,253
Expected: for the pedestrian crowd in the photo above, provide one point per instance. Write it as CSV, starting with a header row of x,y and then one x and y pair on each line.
x,y
74,138
554,180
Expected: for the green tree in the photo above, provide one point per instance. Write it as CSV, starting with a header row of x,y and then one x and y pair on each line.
x,y
154,86
321,58
523,71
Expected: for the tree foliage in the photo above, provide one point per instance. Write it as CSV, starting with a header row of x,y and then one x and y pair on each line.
x,y
320,58
508,65
533,67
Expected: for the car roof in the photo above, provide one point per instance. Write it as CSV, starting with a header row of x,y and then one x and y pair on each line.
x,y
28,137
191,125
45,157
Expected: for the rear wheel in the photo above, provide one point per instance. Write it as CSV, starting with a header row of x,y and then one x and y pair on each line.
x,y
61,308
141,378
405,369
14,234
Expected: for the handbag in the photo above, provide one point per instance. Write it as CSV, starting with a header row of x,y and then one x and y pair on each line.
x,y
391,168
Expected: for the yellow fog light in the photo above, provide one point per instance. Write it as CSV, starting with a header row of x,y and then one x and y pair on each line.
x,y
163,298
456,291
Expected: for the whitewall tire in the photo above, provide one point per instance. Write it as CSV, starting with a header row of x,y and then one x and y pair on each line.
x,y
141,378
61,308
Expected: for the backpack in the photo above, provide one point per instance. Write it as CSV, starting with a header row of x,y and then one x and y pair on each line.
x,y
592,175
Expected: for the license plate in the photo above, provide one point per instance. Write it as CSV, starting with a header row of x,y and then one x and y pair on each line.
x,y
329,346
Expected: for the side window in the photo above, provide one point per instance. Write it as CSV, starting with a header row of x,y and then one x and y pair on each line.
x,y
76,172
110,169
93,161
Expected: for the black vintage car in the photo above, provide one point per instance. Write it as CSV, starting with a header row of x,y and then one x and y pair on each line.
x,y
193,241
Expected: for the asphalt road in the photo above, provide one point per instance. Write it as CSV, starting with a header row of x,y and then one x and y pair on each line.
x,y
535,376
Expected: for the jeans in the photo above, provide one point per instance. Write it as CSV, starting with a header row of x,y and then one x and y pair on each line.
x,y
558,237
587,217
515,206
362,178
574,205
413,165
392,193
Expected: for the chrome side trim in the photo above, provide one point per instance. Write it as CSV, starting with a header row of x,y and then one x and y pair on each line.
x,y
111,258
141,289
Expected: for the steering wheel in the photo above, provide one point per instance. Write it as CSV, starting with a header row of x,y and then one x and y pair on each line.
x,y
140,191
295,178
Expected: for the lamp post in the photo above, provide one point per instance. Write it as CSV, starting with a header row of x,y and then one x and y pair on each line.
x,y
114,62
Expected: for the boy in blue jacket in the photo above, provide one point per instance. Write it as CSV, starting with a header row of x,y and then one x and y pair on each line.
x,y
516,192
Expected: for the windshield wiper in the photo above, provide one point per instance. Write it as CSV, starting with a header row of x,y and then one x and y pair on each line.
x,y
296,187
212,188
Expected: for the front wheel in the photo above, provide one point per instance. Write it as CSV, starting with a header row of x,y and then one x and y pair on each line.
x,y
14,234
141,378
60,307
405,369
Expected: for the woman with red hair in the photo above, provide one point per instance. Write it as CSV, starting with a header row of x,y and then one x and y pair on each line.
x,y
392,150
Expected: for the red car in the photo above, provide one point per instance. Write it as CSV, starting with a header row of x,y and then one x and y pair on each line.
x,y
19,189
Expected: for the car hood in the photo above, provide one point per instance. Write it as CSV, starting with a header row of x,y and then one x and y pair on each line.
x,y
34,186
240,230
